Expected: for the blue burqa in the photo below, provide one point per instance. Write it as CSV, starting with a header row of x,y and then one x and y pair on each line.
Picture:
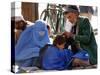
x,y
31,40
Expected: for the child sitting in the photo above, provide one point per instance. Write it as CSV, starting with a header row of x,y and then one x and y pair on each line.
x,y
55,57
81,57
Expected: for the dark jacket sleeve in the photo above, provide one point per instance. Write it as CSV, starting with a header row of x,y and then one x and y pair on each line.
x,y
85,31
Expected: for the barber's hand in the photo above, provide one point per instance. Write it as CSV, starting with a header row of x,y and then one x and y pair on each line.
x,y
68,34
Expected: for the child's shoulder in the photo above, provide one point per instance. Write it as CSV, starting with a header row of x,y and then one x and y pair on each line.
x,y
68,51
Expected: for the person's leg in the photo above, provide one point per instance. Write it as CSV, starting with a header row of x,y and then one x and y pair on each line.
x,y
29,62
78,63
35,61
25,63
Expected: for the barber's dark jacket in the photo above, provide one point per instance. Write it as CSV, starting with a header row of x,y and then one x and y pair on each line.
x,y
84,34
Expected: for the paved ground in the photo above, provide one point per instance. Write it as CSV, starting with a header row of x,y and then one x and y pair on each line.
x,y
35,69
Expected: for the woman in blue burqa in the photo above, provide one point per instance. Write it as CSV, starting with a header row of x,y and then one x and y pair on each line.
x,y
29,44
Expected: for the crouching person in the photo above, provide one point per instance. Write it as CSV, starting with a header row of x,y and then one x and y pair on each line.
x,y
55,57
80,58
29,44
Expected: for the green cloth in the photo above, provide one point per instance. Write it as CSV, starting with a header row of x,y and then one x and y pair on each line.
x,y
84,34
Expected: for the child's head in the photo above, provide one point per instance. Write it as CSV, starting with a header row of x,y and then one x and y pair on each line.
x,y
75,46
59,41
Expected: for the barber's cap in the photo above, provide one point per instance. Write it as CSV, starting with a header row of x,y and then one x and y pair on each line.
x,y
71,8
